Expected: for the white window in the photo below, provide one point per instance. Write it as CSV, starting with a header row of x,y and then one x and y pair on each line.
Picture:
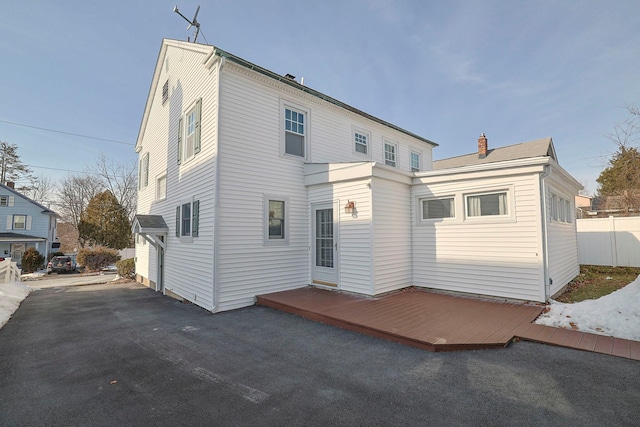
x,y
361,141
189,133
19,222
554,207
416,161
276,220
294,130
438,208
161,187
143,172
490,204
188,220
560,209
390,153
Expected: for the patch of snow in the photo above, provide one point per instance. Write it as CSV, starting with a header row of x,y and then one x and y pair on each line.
x,y
11,295
616,314
33,276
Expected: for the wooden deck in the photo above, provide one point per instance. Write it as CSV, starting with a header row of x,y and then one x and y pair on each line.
x,y
438,322
423,319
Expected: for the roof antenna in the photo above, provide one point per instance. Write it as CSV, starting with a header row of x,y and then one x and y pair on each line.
x,y
192,23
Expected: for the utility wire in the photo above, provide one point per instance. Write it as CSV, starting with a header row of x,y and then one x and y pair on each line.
x,y
67,133
63,170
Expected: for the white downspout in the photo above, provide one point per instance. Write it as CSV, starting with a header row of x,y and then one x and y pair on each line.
x,y
545,241
216,206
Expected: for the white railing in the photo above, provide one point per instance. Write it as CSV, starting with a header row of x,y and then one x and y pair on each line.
x,y
613,241
9,271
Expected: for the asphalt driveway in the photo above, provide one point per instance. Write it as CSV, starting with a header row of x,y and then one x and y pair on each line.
x,y
125,355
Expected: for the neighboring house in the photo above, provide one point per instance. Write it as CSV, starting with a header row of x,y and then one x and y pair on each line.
x,y
27,224
251,183
583,206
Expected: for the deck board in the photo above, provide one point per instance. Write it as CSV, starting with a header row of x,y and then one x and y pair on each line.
x,y
438,322
423,319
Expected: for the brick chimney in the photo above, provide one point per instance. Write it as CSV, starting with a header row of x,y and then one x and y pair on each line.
x,y
482,146
11,185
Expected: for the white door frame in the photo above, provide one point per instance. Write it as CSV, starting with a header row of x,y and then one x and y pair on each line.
x,y
325,275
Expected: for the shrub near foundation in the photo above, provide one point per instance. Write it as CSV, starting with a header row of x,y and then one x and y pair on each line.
x,y
97,258
126,268
31,260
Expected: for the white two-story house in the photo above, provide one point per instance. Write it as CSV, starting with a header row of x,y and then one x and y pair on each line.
x,y
251,182
27,224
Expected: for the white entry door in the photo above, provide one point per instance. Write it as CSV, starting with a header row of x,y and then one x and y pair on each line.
x,y
325,245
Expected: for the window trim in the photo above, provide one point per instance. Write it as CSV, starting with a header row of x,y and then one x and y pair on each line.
x,y
143,171
356,130
183,138
194,220
561,210
267,241
287,105
509,216
395,152
160,177
13,222
421,200
419,154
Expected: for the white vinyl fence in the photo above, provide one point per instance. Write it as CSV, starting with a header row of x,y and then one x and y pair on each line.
x,y
609,241
9,271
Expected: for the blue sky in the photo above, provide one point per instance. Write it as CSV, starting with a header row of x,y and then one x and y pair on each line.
x,y
447,71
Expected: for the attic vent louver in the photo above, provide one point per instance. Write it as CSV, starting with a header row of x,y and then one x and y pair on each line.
x,y
165,92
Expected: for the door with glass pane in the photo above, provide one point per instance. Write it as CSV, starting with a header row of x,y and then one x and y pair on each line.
x,y
325,245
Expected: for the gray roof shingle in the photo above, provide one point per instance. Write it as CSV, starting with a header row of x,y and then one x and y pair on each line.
x,y
525,150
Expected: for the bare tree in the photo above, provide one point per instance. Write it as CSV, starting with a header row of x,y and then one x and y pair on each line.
x,y
40,189
619,182
119,178
74,194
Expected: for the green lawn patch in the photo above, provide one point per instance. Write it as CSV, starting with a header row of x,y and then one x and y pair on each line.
x,y
595,281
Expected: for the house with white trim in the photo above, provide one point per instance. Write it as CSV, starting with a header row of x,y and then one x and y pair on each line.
x,y
27,224
251,182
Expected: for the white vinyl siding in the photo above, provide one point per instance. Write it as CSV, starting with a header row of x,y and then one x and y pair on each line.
x,y
497,256
392,235
354,234
188,270
562,238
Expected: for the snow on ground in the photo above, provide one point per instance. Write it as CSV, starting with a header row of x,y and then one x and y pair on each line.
x,y
11,295
33,276
616,314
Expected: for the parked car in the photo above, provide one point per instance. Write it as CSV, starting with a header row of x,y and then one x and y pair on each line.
x,y
61,264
